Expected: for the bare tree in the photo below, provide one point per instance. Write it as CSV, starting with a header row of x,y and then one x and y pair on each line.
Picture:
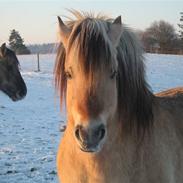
x,y
148,41
162,33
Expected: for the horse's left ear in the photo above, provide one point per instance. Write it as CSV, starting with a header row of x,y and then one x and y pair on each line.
x,y
115,31
64,31
3,50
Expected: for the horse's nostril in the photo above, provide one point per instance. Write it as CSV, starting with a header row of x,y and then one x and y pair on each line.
x,y
77,133
80,133
100,132
19,94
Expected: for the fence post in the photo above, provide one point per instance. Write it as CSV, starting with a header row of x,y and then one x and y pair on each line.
x,y
38,64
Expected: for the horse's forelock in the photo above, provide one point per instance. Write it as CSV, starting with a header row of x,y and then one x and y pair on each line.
x,y
94,49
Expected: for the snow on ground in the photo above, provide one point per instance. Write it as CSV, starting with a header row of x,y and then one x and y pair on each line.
x,y
29,129
164,71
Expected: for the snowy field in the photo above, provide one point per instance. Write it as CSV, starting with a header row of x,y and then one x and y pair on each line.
x,y
29,129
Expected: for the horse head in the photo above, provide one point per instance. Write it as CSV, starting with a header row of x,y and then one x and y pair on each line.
x,y
11,81
100,72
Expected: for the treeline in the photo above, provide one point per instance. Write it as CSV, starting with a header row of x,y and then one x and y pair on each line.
x,y
42,48
161,37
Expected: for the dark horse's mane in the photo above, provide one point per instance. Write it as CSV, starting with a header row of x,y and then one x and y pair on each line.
x,y
134,95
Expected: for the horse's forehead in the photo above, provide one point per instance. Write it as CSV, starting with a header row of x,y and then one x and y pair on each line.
x,y
77,61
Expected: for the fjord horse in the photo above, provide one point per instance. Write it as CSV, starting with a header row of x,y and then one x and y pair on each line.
x,y
11,81
117,130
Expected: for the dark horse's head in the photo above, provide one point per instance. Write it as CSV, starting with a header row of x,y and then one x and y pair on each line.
x,y
11,82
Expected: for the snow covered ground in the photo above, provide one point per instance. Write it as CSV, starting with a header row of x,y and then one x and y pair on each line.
x,y
29,129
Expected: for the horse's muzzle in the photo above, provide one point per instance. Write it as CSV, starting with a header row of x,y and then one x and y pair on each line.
x,y
89,139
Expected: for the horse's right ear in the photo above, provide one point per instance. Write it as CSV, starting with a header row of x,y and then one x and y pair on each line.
x,y
3,50
115,31
64,31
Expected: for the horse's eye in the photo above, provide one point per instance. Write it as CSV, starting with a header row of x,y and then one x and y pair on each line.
x,y
68,75
113,74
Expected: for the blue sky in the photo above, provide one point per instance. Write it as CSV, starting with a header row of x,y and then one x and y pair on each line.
x,y
37,23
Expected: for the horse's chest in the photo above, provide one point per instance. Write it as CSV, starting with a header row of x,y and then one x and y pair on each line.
x,y
82,176
78,171
77,167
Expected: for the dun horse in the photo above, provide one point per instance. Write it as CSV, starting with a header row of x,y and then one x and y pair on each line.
x,y
117,130
11,82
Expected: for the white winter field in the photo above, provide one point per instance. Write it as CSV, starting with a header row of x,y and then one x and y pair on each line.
x,y
30,129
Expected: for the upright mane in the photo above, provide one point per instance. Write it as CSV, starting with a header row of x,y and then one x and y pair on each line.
x,y
89,32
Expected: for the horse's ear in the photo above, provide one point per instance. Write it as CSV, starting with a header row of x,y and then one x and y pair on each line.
x,y
115,31
3,50
64,31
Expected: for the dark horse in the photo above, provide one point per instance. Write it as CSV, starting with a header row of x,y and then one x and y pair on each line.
x,y
11,81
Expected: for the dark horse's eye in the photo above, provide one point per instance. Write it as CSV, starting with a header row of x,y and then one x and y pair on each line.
x,y
113,74
68,75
